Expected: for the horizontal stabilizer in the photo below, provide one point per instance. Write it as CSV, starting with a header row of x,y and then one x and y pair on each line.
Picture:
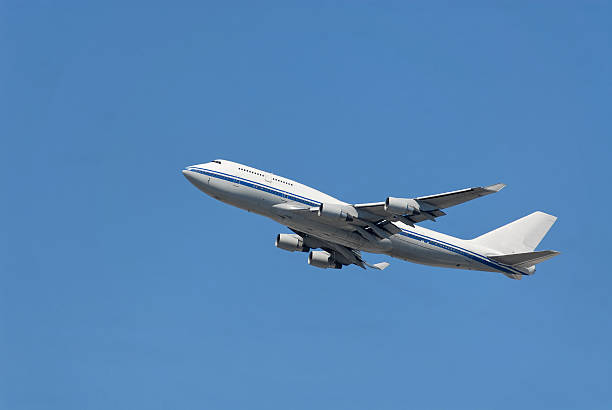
x,y
524,260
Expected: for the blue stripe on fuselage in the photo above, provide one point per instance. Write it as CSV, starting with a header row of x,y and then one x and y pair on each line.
x,y
461,251
256,185
307,201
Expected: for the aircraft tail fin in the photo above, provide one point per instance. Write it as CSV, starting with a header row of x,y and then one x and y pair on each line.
x,y
520,236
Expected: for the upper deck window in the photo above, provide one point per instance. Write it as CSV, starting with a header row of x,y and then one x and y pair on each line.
x,y
217,161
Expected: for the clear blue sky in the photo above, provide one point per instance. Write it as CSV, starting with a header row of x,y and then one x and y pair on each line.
x,y
123,287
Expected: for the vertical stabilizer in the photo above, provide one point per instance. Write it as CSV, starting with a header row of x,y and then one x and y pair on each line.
x,y
522,235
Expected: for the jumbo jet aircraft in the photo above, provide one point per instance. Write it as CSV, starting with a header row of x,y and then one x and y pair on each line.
x,y
343,230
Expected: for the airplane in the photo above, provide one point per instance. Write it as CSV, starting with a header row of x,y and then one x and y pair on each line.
x,y
342,231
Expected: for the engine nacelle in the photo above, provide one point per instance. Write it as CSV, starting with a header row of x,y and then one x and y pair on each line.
x,y
401,206
322,259
336,212
291,243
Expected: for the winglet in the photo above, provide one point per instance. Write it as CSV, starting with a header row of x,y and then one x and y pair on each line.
x,y
495,187
379,266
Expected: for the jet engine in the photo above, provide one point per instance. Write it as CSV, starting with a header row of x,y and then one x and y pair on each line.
x,y
291,243
322,259
337,212
401,206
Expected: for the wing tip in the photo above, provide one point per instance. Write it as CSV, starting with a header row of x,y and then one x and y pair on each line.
x,y
553,218
378,266
381,265
495,187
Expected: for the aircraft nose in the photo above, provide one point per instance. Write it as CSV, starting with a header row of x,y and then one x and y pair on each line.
x,y
190,175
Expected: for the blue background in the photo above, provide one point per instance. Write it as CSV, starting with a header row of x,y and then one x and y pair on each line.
x,y
124,287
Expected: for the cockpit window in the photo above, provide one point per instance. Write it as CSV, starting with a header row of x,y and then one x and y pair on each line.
x,y
217,161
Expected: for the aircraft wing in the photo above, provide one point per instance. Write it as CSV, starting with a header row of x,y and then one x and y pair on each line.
x,y
448,199
429,206
342,254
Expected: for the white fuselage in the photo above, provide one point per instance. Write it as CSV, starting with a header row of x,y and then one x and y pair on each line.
x,y
270,195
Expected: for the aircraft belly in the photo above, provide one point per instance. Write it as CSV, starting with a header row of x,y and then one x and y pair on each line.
x,y
427,254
